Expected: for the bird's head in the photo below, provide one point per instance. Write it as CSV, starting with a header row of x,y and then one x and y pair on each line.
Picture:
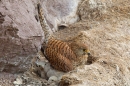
x,y
83,49
80,49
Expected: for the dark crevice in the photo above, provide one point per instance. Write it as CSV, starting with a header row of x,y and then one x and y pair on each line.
x,y
61,27
2,18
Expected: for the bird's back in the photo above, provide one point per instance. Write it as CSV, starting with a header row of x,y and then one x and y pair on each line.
x,y
60,55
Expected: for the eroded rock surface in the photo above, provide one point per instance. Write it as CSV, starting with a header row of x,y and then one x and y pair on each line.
x,y
20,35
60,12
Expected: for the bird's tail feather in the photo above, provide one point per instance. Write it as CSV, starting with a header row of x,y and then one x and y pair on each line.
x,y
44,25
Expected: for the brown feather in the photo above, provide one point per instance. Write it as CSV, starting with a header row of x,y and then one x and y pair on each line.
x,y
60,55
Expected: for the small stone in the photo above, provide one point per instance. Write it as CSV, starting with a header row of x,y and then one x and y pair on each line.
x,y
18,81
53,78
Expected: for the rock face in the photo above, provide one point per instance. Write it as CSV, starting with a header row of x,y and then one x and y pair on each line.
x,y
20,35
60,12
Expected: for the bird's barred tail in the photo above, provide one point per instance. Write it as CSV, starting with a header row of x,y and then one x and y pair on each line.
x,y
45,27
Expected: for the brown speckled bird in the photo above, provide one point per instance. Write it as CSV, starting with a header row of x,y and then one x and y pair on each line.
x,y
63,56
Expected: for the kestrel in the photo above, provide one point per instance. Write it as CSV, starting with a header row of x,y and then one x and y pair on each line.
x,y
62,56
